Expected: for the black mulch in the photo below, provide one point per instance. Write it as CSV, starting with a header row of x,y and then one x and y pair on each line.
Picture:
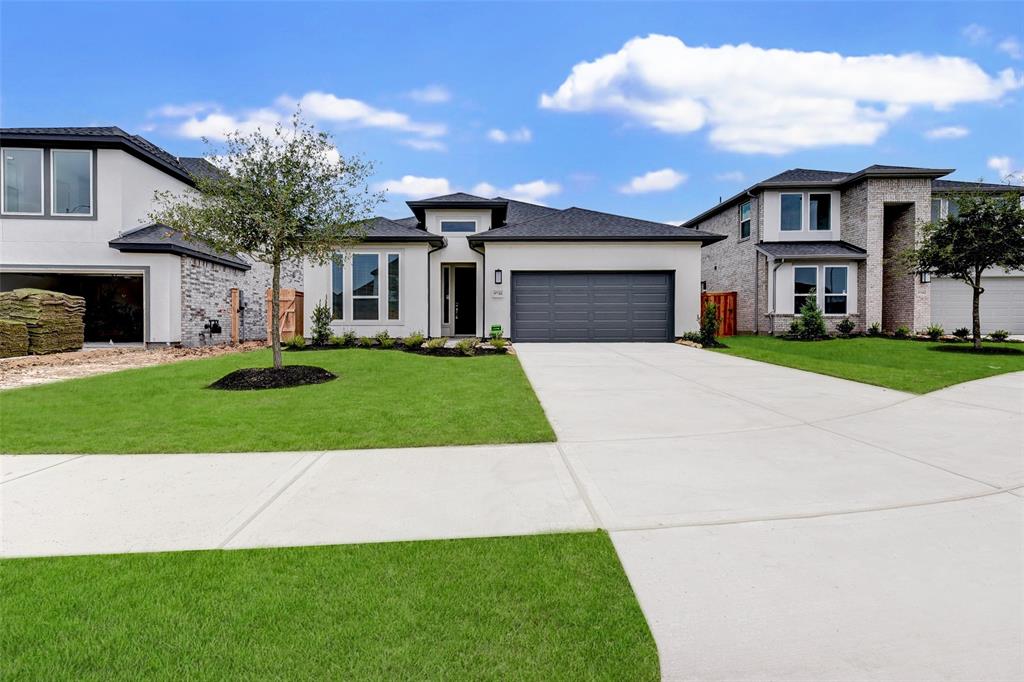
x,y
984,350
259,378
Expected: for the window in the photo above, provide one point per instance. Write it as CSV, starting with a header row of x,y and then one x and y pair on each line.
x,y
745,220
337,288
952,210
936,209
835,290
792,212
805,279
820,206
71,181
393,286
23,181
446,286
458,226
365,286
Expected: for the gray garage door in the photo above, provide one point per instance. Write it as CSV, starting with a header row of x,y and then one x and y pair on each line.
x,y
1002,304
592,306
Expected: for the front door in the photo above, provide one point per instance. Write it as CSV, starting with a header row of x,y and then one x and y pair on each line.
x,y
464,313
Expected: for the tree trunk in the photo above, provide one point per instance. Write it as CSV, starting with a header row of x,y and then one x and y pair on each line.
x,y
976,310
275,311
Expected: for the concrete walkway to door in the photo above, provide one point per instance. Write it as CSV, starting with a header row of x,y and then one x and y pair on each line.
x,y
778,524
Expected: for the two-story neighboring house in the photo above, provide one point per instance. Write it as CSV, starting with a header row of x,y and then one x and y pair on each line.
x,y
836,236
462,264
74,212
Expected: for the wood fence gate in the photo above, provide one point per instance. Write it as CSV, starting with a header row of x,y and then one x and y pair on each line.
x,y
726,302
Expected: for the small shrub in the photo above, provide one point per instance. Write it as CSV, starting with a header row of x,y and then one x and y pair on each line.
x,y
999,335
812,322
875,329
384,340
845,326
499,343
365,341
935,331
692,337
437,342
349,338
336,340
321,331
794,327
296,342
466,346
414,340
902,332
961,333
709,324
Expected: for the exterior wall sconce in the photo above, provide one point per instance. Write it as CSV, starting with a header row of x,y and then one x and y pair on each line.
x,y
497,276
926,277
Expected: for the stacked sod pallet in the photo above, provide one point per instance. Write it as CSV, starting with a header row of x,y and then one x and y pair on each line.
x,y
55,322
13,339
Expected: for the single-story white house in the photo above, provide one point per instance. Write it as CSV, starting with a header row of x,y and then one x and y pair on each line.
x,y
464,265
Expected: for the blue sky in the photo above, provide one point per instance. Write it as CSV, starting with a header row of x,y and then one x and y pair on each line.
x,y
668,120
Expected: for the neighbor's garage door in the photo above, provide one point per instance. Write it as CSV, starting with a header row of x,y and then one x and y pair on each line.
x,y
1002,304
592,306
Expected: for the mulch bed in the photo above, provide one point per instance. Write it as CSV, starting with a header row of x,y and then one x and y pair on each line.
x,y
260,378
446,352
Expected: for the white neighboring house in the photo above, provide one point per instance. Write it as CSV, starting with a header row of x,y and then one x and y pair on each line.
x,y
73,208
462,264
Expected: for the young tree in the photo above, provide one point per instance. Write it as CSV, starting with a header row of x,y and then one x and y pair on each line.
x,y
284,195
986,232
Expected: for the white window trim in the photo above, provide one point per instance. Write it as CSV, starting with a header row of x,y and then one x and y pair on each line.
x,y
803,210
442,221
352,296
387,287
750,220
383,288
42,183
53,180
817,289
846,295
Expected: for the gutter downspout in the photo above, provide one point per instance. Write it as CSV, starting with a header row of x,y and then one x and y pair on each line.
x,y
775,290
483,291
430,251
757,272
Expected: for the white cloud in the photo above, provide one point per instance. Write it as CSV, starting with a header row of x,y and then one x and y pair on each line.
x,y
756,100
423,145
534,191
654,181
947,133
182,110
730,176
1007,169
1012,47
415,186
501,137
431,94
975,33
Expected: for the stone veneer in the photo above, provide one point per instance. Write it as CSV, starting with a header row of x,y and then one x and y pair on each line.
x,y
206,294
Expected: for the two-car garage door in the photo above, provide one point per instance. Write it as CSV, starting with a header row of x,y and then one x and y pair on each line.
x,y
1002,304
592,306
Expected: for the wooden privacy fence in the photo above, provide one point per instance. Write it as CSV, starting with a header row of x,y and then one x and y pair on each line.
x,y
726,302
292,314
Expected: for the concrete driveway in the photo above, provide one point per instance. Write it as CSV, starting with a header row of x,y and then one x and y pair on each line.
x,y
778,524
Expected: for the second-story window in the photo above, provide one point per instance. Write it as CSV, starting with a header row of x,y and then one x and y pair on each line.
x,y
22,172
744,220
792,212
71,181
458,226
820,206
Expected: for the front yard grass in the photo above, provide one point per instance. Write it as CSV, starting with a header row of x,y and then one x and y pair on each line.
x,y
544,607
912,366
382,399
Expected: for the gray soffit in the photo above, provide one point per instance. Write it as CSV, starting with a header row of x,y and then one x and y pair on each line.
x,y
812,250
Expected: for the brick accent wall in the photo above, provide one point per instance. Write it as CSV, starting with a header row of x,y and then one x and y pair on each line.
x,y
206,294
782,323
731,264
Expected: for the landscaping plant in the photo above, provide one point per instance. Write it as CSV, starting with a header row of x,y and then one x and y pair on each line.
x,y
692,337
349,338
812,321
794,327
902,332
986,232
499,343
414,340
961,333
365,341
285,195
437,342
466,346
875,329
709,324
320,333
384,339
297,342
999,335
845,326
935,331
336,340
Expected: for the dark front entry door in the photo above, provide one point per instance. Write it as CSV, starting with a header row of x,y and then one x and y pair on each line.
x,y
465,300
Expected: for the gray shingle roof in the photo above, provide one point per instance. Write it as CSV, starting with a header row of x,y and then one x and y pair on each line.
x,y
522,211
159,238
452,198
806,175
199,167
820,249
580,224
380,229
961,186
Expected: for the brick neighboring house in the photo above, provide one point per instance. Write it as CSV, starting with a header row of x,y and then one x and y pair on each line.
x,y
834,235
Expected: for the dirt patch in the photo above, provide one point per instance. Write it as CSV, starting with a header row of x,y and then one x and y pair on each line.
x,y
260,378
43,369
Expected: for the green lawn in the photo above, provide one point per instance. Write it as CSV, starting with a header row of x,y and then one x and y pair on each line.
x,y
544,607
382,399
912,366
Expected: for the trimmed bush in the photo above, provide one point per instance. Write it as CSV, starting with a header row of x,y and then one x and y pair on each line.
x,y
961,333
935,331
349,338
812,321
845,326
902,332
794,327
692,337
365,341
414,340
384,339
999,335
320,333
709,324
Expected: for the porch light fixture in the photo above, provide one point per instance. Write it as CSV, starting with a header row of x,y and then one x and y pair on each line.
x,y
926,277
497,276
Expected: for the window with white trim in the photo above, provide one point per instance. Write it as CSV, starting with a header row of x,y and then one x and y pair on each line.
x,y
744,220
71,182
820,207
836,289
338,287
22,172
792,212
805,283
365,286
394,286
458,226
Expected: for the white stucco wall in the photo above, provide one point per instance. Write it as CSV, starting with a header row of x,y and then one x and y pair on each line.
x,y
681,257
773,218
781,286
457,251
